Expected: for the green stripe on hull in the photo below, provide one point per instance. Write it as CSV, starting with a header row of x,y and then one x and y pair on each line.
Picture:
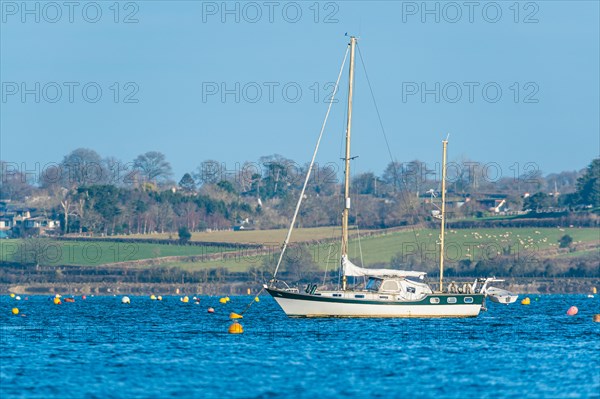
x,y
460,299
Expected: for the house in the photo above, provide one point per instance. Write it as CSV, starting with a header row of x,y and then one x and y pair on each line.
x,y
14,219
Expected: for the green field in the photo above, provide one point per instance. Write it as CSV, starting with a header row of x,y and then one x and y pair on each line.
x,y
474,244
256,236
92,253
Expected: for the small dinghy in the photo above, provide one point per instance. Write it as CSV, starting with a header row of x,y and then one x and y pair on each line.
x,y
499,295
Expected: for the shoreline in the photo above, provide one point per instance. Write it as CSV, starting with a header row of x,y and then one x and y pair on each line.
x,y
521,286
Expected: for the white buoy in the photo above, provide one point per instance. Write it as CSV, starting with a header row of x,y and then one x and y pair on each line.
x,y
125,299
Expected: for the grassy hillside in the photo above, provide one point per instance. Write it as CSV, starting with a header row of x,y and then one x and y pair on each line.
x,y
95,253
256,236
476,244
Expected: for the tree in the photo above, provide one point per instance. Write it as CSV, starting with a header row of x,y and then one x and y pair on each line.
x,y
392,175
588,185
278,177
365,183
299,264
187,183
81,167
537,201
14,184
153,166
184,235
565,241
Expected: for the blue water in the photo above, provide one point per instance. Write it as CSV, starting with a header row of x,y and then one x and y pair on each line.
x,y
100,348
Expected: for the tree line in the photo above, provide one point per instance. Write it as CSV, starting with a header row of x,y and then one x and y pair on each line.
x,y
92,194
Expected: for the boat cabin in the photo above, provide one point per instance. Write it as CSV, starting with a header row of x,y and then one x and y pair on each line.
x,y
408,289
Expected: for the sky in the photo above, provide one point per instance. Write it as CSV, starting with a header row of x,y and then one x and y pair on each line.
x,y
515,85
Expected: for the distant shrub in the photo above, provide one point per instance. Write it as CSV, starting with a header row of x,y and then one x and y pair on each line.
x,y
565,241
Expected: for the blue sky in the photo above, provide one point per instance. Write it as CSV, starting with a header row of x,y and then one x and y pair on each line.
x,y
162,76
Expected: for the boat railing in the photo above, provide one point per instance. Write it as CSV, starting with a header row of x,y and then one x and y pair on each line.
x,y
457,287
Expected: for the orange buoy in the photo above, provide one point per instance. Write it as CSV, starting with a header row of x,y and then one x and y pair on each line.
x,y
597,318
236,328
69,299
572,311
211,310
83,297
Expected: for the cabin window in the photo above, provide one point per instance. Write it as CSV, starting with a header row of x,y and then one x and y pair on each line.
x,y
336,295
383,297
468,299
434,300
359,296
373,284
452,300
390,285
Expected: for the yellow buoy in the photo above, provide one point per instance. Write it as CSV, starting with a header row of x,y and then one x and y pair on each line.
x,y
12,295
233,315
256,299
159,298
236,328
597,318
526,301
227,299
223,300
185,299
594,290
56,301
153,297
15,311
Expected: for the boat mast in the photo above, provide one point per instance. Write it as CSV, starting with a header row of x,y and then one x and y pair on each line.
x,y
347,158
443,228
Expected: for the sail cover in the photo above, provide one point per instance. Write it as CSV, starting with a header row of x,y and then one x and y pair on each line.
x,y
350,269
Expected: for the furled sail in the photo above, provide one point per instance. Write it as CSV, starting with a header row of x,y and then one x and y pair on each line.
x,y
351,270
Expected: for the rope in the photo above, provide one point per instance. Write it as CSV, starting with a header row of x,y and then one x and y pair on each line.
x,y
396,179
327,263
312,162
253,300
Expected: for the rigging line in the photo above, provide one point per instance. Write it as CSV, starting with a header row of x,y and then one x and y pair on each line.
x,y
409,208
327,262
252,302
312,162
362,263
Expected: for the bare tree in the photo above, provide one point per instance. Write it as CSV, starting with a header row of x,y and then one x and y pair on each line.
x,y
153,166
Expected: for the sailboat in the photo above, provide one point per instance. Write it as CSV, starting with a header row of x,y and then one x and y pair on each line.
x,y
387,292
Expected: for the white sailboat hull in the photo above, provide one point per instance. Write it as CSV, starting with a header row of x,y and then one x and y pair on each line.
x,y
301,305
